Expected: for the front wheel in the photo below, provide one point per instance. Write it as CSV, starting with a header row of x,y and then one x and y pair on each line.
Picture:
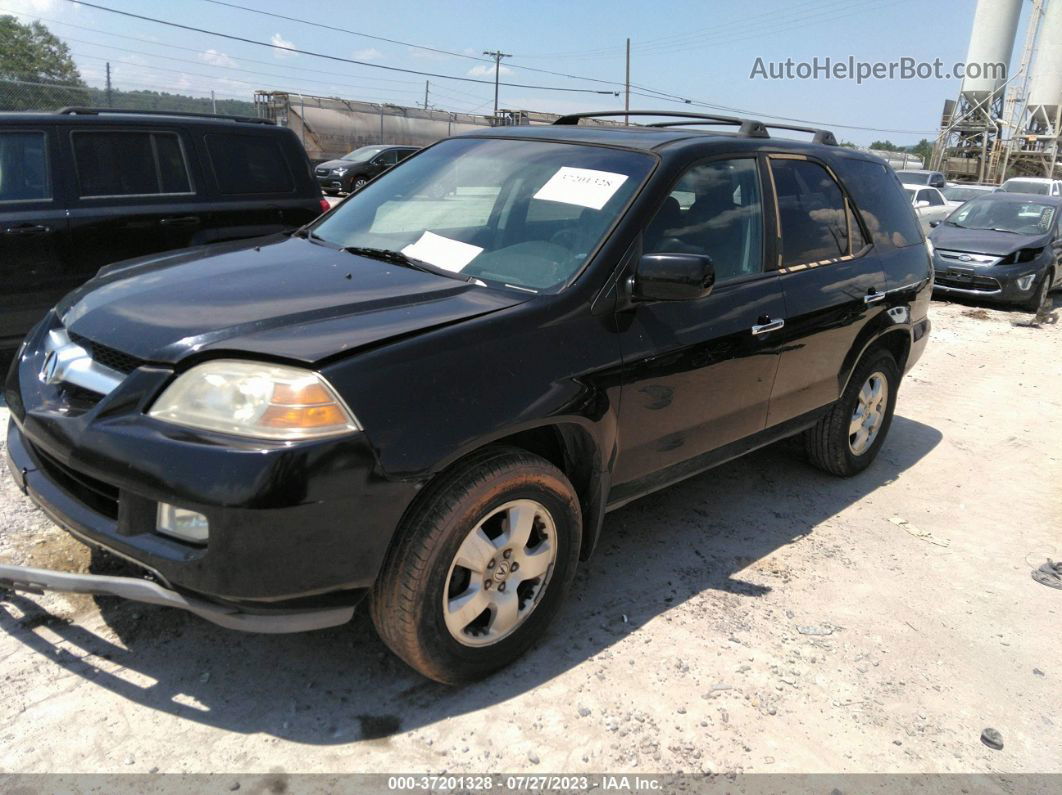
x,y
358,184
1039,296
480,567
847,438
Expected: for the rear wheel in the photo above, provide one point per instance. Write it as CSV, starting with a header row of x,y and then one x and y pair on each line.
x,y
847,438
480,566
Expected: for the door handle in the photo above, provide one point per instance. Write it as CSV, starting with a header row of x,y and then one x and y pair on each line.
x,y
873,298
771,325
184,220
35,229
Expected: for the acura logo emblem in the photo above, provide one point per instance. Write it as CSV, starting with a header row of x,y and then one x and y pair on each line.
x,y
50,369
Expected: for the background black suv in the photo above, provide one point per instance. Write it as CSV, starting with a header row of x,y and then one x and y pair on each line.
x,y
352,171
83,188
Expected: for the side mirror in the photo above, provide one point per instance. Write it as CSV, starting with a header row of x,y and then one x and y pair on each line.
x,y
673,277
934,224
921,204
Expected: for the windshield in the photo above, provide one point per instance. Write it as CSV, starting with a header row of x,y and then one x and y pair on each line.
x,y
913,177
363,154
1026,218
958,194
1026,186
523,214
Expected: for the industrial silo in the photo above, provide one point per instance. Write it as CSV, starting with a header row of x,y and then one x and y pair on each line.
x,y
1045,78
991,41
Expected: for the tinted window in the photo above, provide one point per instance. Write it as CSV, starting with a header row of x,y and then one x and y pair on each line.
x,y
934,198
714,209
23,167
882,203
249,164
913,178
404,153
812,210
127,163
388,158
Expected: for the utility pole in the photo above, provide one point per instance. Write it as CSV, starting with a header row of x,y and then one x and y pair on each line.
x,y
110,104
213,102
425,95
627,93
497,55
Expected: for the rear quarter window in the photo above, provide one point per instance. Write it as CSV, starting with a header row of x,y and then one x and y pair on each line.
x,y
249,164
882,202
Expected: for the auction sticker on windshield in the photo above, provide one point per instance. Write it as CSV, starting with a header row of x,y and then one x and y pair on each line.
x,y
585,187
451,255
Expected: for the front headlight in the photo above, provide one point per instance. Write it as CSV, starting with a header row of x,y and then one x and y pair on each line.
x,y
929,247
263,401
339,171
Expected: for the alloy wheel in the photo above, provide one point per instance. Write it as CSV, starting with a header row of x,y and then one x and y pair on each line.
x,y
500,572
869,414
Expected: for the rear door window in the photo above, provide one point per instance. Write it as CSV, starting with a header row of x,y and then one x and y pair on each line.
x,y
812,210
24,167
882,203
114,163
247,164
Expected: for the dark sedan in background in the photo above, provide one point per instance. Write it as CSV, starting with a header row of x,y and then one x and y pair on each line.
x,y
1000,247
354,170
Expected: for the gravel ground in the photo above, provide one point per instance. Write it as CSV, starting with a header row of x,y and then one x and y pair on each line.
x,y
759,617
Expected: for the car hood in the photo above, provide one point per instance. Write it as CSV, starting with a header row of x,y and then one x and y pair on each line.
x,y
983,241
336,164
280,296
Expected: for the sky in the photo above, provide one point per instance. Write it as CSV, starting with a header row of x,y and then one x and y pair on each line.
x,y
702,50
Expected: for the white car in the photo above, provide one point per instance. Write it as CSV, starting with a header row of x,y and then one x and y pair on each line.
x,y
1041,186
958,194
929,205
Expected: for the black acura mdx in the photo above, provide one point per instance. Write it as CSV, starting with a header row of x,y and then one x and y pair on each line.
x,y
433,401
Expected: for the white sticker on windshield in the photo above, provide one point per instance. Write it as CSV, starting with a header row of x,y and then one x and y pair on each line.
x,y
442,252
582,186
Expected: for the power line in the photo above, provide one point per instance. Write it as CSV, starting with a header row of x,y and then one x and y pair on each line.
x,y
197,50
338,29
326,56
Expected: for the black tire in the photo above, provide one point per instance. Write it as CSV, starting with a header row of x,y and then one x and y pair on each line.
x,y
1039,297
407,600
357,184
828,443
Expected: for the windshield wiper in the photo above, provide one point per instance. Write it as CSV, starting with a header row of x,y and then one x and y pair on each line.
x,y
398,258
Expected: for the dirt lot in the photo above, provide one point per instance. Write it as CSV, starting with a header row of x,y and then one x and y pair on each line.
x,y
760,617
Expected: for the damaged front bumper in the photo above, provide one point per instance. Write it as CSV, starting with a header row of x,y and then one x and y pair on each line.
x,y
24,578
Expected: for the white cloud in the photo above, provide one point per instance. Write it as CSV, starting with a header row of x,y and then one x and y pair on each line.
x,y
487,70
368,54
427,55
216,58
280,41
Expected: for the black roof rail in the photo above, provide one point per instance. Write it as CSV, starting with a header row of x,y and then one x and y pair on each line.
x,y
75,110
749,127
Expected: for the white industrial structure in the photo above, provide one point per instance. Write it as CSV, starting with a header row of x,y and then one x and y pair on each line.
x,y
972,130
1034,145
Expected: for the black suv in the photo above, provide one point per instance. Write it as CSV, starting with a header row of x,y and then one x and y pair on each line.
x,y
353,171
436,401
82,188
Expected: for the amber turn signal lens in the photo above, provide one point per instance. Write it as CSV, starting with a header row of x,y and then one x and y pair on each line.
x,y
303,416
